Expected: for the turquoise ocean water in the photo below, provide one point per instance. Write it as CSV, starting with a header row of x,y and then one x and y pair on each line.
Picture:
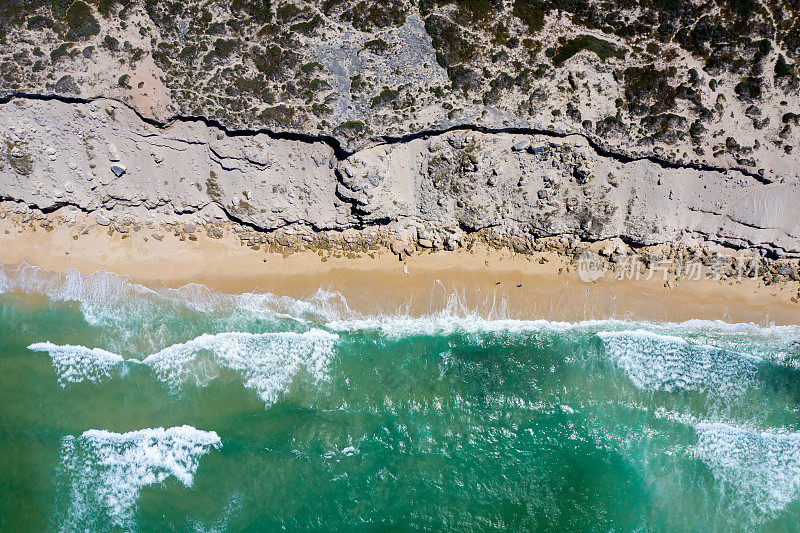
x,y
125,408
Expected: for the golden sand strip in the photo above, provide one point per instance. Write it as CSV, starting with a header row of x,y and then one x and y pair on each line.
x,y
544,285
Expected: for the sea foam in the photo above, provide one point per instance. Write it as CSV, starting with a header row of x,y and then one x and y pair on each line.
x,y
266,362
74,364
139,320
133,319
105,290
663,362
104,472
756,469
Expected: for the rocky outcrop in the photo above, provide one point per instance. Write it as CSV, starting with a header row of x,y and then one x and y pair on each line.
x,y
101,157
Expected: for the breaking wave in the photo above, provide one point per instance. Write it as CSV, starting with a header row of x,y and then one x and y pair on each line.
x,y
757,470
113,300
132,319
104,472
663,362
74,364
266,362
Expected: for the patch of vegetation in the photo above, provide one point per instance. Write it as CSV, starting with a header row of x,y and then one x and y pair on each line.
x,y
477,10
258,10
351,128
287,12
244,207
696,130
376,46
307,26
782,68
531,12
20,161
280,114
743,8
81,22
14,13
603,49
665,127
111,43
573,112
60,52
648,91
453,52
212,187
104,7
610,125
317,84
269,61
784,71
308,68
448,39
502,82
59,8
358,84
368,15
321,110
222,49
125,81
39,22
794,118
386,96
749,88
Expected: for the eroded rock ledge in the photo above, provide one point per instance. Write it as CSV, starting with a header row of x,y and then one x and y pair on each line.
x,y
99,156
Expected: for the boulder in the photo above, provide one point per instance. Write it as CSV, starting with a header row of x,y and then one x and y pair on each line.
x,y
521,145
113,154
66,84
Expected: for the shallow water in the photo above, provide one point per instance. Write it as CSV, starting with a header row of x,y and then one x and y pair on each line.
x,y
127,408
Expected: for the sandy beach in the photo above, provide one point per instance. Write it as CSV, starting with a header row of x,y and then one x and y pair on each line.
x,y
487,281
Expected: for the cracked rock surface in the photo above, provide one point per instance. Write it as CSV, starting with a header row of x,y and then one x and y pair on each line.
x,y
101,157
706,82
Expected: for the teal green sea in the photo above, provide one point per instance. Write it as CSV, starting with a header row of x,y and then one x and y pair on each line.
x,y
125,408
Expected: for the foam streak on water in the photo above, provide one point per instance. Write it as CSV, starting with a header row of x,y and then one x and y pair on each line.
x,y
74,364
758,470
106,471
665,362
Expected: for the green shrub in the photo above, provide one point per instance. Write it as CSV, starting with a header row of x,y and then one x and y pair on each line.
x,y
60,52
310,67
39,22
531,12
603,49
81,22
111,43
783,69
258,10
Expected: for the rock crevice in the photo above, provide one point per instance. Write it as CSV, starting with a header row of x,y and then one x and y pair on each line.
x,y
100,155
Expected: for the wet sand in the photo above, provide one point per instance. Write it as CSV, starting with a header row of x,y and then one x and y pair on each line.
x,y
488,281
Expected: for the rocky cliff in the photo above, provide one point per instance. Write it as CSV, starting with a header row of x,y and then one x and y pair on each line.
x,y
102,157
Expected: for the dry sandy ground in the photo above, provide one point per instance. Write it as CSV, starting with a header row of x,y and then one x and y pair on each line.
x,y
541,286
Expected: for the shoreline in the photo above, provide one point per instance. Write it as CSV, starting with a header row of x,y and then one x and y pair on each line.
x,y
488,281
